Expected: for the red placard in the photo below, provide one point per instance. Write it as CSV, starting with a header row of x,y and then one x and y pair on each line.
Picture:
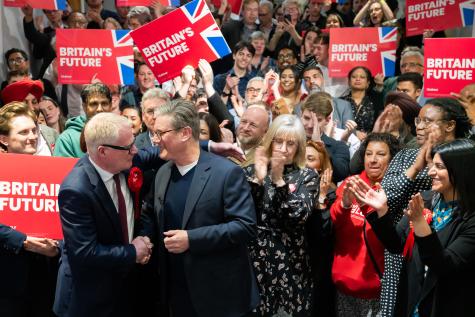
x,y
29,195
437,15
449,65
374,48
39,4
104,54
179,38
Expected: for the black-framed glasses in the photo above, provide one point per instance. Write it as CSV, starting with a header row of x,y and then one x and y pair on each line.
x,y
159,134
120,147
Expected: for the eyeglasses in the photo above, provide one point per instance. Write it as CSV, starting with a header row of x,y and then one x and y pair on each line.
x,y
263,14
121,148
252,90
106,105
50,11
426,121
159,134
16,61
287,56
411,65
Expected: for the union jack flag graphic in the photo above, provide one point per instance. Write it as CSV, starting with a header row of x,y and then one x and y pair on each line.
x,y
125,64
388,57
467,10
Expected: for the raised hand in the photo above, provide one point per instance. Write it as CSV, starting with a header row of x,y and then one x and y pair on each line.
x,y
227,150
261,162
316,134
415,210
367,195
277,167
325,181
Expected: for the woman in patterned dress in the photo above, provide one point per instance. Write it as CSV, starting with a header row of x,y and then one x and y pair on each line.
x,y
438,243
284,192
445,119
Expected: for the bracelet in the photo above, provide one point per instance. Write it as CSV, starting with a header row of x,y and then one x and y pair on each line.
x,y
226,94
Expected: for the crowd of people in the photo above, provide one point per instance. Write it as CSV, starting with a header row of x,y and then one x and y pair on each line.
x,y
266,187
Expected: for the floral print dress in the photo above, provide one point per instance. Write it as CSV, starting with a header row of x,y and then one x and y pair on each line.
x,y
279,254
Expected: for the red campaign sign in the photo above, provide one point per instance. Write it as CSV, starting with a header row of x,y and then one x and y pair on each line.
x,y
29,195
104,54
179,38
374,48
236,6
449,65
38,4
437,15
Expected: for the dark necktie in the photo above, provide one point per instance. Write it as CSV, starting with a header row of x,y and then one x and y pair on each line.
x,y
122,210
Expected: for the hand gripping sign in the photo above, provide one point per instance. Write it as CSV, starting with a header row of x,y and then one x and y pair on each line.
x,y
106,55
179,38
374,48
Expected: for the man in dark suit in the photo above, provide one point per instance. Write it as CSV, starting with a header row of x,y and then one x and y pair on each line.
x,y
97,217
202,216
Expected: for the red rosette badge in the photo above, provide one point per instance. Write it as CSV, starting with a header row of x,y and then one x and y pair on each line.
x,y
135,182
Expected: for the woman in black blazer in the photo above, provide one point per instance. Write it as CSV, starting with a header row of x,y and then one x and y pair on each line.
x,y
438,244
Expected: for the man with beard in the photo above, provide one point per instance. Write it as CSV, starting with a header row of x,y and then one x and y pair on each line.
x,y
252,128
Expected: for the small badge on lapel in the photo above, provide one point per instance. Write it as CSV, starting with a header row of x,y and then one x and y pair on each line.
x,y
135,182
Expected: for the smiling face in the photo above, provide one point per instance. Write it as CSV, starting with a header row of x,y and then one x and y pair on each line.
x,y
23,136
431,120
376,160
287,81
145,78
440,177
242,59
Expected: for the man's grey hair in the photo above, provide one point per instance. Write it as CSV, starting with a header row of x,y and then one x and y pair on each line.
x,y
269,5
253,79
183,114
412,51
155,93
103,128
258,35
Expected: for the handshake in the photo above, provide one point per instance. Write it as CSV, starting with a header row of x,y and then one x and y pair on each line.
x,y
143,249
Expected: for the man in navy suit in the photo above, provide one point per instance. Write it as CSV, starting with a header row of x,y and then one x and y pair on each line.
x,y
202,216
97,217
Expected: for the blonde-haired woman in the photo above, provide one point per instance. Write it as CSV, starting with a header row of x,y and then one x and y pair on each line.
x,y
284,192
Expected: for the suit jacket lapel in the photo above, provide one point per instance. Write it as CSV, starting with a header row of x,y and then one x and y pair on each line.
x,y
200,178
103,196
161,184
